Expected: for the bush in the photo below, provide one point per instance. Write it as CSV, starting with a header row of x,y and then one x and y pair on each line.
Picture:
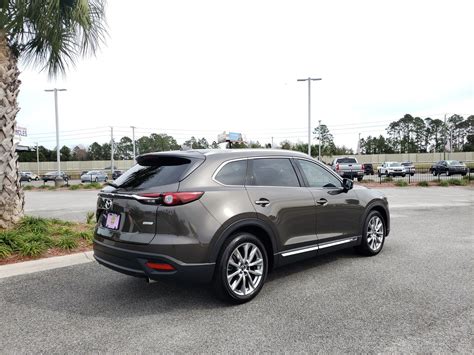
x,y
11,239
36,225
28,187
388,179
5,251
457,182
443,183
74,187
88,236
423,183
401,183
66,242
90,217
33,248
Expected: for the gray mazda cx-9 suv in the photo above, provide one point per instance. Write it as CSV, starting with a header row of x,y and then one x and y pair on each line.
x,y
230,216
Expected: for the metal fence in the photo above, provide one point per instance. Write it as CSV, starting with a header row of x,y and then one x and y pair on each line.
x,y
421,174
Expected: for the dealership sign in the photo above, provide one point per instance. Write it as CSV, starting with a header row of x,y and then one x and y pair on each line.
x,y
20,131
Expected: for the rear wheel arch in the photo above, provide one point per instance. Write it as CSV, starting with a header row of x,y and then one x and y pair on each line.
x,y
252,226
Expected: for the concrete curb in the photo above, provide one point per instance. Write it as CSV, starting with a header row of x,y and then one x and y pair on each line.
x,y
55,262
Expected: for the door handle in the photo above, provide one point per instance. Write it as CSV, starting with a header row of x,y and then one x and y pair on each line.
x,y
262,202
322,202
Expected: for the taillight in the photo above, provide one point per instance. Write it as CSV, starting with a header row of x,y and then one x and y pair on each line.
x,y
363,166
173,198
337,166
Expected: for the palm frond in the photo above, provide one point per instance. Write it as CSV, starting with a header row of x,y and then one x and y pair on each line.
x,y
53,34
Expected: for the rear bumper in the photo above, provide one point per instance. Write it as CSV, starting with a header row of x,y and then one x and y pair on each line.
x,y
134,263
351,174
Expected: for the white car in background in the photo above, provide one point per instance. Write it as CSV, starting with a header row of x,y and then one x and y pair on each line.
x,y
391,168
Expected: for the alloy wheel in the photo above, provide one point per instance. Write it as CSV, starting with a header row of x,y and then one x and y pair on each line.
x,y
375,233
245,269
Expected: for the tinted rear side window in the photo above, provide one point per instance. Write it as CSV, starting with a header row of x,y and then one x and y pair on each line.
x,y
273,172
233,173
154,172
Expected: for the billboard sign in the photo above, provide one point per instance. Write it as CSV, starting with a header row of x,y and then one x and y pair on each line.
x,y
229,137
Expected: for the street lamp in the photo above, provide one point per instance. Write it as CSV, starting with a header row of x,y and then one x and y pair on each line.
x,y
309,110
55,90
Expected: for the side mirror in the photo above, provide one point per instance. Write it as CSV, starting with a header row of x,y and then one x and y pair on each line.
x,y
347,184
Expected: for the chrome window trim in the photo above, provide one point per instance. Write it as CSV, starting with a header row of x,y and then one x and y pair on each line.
x,y
219,168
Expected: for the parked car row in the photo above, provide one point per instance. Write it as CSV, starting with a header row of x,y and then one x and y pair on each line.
x,y
28,176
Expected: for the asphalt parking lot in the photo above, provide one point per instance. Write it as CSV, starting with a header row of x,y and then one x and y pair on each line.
x,y
416,296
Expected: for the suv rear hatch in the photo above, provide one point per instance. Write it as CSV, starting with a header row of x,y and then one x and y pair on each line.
x,y
127,210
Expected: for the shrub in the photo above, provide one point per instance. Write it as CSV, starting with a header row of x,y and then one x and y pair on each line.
x,y
11,239
388,179
95,185
423,183
5,251
32,248
51,188
43,187
36,225
457,182
66,242
90,216
88,236
74,187
28,187
443,183
401,183
59,222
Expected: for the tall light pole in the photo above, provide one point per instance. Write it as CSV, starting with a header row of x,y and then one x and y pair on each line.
x,y
112,150
133,140
58,156
309,110
319,145
37,160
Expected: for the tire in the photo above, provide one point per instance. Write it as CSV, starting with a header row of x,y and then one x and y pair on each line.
x,y
232,276
29,179
359,178
96,180
412,174
434,173
463,174
37,179
448,173
105,179
372,243
379,174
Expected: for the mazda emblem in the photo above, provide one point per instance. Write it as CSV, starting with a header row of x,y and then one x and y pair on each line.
x,y
107,203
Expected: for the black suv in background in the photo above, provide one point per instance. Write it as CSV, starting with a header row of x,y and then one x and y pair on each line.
x,y
368,169
230,216
449,167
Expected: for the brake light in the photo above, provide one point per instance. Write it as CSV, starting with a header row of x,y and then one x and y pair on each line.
x,y
174,198
363,166
160,266
337,166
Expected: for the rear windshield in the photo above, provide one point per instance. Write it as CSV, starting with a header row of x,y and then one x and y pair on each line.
x,y
347,161
153,172
394,164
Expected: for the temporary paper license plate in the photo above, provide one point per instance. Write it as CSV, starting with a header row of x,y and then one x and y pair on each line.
x,y
112,221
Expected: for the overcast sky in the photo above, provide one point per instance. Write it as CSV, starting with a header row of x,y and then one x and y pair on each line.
x,y
201,67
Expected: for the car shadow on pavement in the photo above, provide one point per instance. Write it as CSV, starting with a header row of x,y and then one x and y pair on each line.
x,y
92,290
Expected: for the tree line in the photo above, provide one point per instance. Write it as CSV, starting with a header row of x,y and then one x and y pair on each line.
x,y
406,135
416,135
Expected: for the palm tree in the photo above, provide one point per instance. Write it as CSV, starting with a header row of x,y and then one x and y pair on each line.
x,y
51,35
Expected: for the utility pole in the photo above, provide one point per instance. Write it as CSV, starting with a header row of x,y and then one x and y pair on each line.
x,y
319,145
112,150
309,110
58,156
444,148
37,161
358,145
133,140
272,142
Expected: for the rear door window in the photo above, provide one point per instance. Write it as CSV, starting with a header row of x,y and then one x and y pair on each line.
x,y
272,172
232,173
